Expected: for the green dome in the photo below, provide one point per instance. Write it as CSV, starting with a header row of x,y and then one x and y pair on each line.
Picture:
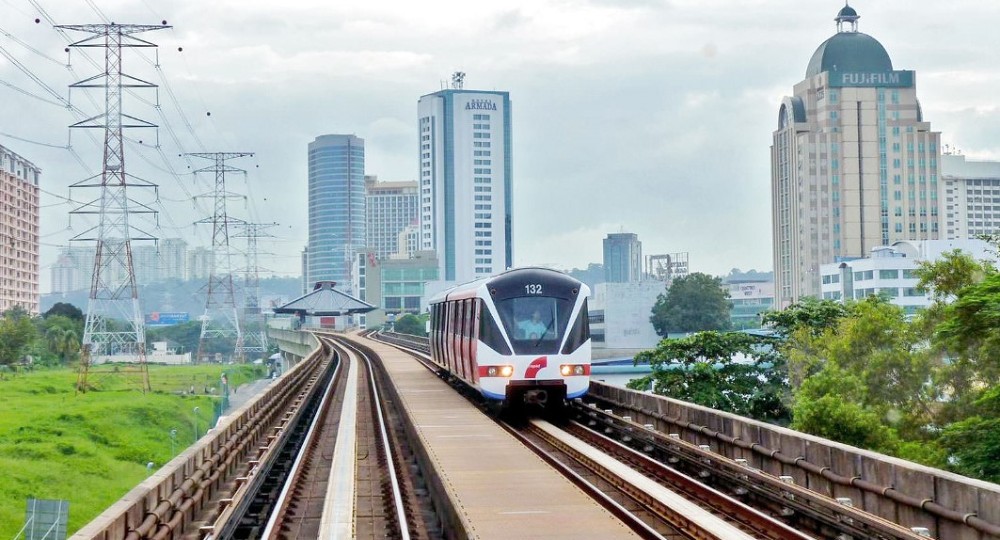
x,y
847,11
849,52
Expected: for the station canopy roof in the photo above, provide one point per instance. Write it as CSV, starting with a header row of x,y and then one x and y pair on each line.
x,y
325,300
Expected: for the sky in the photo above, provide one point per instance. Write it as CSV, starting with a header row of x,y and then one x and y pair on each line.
x,y
645,116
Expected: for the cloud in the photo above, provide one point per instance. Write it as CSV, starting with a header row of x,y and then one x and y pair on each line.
x,y
647,115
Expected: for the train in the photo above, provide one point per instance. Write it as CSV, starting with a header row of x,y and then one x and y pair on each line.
x,y
519,338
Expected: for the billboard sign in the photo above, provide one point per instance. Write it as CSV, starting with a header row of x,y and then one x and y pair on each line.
x,y
885,79
166,318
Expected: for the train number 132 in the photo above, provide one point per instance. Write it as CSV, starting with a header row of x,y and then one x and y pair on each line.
x,y
533,288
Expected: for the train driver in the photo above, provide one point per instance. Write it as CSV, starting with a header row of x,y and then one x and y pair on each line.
x,y
532,328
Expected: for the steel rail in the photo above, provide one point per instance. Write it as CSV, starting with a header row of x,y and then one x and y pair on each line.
x,y
758,523
630,520
818,507
294,475
233,509
398,498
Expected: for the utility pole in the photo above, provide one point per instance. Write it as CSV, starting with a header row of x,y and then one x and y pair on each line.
x,y
221,318
254,332
114,324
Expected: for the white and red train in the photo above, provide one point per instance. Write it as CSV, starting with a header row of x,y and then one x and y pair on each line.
x,y
522,336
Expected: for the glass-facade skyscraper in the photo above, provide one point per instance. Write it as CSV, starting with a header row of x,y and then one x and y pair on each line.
x,y
466,182
337,225
622,258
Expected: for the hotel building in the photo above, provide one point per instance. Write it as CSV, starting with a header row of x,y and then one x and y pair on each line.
x,y
466,182
853,163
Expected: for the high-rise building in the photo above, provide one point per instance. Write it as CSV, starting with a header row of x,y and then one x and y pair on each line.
x,y
391,207
337,225
971,196
173,258
73,270
18,232
145,262
622,258
466,181
853,163
200,263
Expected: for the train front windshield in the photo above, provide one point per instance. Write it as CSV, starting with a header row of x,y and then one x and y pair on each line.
x,y
535,324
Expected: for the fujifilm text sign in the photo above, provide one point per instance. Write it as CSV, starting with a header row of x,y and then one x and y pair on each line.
x,y
480,105
884,79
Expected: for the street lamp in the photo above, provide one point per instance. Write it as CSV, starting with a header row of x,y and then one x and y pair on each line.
x,y
173,441
196,409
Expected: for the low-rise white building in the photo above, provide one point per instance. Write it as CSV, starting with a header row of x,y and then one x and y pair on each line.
x,y
619,316
890,271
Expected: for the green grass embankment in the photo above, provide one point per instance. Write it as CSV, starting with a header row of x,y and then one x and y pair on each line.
x,y
93,448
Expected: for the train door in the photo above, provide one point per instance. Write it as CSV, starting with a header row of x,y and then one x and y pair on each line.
x,y
467,339
474,348
460,339
446,338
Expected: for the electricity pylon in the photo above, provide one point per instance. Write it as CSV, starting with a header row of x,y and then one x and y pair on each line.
x,y
114,324
220,318
254,333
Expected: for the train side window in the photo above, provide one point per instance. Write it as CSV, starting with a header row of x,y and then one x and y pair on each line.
x,y
489,332
580,332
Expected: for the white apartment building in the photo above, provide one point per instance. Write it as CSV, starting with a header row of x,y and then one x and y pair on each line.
x,y
619,315
200,263
889,271
18,232
972,196
465,182
854,165
391,207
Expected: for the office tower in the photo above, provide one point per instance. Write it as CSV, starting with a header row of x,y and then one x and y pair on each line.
x,y
18,232
971,196
391,207
466,181
200,262
337,225
622,258
854,165
172,259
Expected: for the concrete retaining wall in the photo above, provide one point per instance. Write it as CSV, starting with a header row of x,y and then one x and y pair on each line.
x,y
966,495
130,511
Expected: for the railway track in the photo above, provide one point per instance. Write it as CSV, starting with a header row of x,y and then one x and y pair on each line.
x,y
814,513
656,503
341,479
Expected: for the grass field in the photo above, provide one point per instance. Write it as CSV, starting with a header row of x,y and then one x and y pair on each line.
x,y
93,448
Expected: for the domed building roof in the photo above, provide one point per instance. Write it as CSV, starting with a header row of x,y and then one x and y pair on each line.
x,y
847,11
849,50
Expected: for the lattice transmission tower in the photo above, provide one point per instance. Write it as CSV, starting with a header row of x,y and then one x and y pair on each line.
x,y
114,326
221,318
254,332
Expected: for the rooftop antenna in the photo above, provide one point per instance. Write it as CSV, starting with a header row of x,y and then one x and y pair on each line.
x,y
458,80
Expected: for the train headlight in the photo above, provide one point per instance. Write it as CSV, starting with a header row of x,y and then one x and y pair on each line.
x,y
569,370
499,371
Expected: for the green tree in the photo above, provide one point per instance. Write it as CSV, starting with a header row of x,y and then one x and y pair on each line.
x,y
810,313
65,310
693,303
16,332
732,372
974,443
827,406
411,324
872,362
